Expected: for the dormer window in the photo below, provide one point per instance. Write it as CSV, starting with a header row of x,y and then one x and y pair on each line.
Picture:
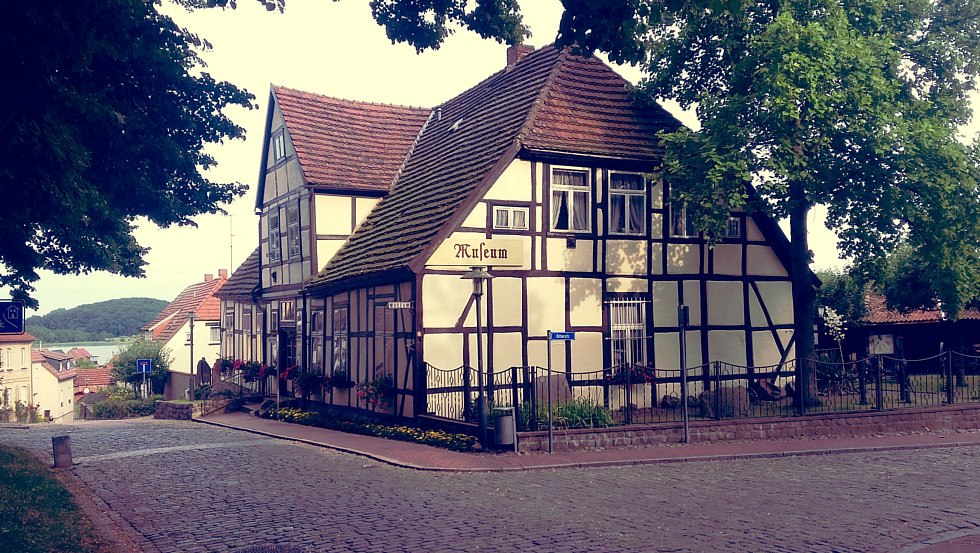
x,y
571,201
279,146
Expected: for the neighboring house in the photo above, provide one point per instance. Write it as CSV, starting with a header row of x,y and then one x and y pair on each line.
x,y
81,354
242,315
54,385
92,379
917,334
549,153
16,370
172,328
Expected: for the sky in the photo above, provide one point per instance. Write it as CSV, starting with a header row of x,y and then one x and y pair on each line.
x,y
331,48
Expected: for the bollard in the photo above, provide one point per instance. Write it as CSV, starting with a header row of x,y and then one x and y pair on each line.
x,y
62,451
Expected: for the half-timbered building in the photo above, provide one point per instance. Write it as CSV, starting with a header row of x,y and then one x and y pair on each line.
x,y
550,154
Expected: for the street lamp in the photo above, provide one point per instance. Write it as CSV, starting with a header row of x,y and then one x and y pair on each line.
x,y
190,389
478,275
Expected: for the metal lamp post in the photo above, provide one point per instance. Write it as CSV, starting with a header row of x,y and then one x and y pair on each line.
x,y
190,389
478,275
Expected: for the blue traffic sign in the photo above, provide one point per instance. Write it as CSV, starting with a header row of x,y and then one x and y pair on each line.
x,y
562,336
143,365
11,317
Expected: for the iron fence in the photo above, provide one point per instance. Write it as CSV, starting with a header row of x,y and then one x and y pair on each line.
x,y
637,394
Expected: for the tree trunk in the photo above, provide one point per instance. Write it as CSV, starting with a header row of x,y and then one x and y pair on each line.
x,y
804,295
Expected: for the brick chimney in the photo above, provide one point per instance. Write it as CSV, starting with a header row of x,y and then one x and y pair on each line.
x,y
208,277
516,53
222,273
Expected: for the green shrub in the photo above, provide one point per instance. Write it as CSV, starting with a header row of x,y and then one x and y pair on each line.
x,y
115,407
579,413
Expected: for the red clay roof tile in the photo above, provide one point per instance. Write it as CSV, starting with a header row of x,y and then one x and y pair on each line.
x,y
348,144
16,338
878,313
198,298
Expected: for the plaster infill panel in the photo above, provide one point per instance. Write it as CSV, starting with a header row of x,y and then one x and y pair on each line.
x,y
727,259
537,355
761,260
683,259
764,349
626,257
545,305
778,297
363,207
666,347
665,304
725,303
587,352
563,258
692,299
514,184
333,214
585,302
508,304
443,351
627,285
508,351
752,231
444,298
657,195
656,226
477,217
727,346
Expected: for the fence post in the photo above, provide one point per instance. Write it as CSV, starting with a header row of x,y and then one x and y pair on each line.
x,y
628,394
513,396
801,378
950,395
534,398
717,391
863,381
468,415
879,393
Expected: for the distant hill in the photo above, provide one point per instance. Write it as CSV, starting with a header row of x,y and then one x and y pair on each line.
x,y
95,321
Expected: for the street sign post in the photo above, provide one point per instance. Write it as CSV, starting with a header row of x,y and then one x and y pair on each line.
x,y
554,337
11,317
143,366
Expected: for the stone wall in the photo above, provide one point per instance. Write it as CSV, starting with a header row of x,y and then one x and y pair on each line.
x,y
176,411
941,419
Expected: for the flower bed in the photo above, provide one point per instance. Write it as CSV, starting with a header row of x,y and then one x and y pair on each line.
x,y
360,425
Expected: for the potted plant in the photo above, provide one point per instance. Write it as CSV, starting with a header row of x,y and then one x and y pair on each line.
x,y
378,393
340,379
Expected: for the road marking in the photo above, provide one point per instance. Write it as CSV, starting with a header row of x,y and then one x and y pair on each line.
x,y
158,450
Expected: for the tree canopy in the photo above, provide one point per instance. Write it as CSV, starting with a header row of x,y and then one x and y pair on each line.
x,y
95,321
124,363
107,108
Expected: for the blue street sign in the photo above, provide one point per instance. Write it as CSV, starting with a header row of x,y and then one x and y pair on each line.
x,y
143,365
562,336
11,317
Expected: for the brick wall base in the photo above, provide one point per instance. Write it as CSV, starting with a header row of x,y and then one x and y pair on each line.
x,y
182,412
941,419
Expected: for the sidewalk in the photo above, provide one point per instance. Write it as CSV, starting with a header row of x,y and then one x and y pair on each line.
x,y
422,457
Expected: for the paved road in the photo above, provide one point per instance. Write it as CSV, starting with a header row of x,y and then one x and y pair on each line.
x,y
190,487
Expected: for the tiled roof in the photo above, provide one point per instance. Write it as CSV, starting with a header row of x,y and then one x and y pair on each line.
x,y
94,376
54,354
198,298
243,280
36,357
60,375
79,353
16,338
586,109
457,151
348,144
878,313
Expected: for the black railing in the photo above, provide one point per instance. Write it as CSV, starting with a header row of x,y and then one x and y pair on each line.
x,y
637,394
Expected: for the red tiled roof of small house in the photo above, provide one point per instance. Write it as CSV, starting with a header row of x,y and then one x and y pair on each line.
x,y
93,377
197,298
878,313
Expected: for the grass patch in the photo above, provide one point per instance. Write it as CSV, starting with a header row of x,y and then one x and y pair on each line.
x,y
37,512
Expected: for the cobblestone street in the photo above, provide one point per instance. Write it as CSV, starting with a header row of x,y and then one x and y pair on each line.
x,y
190,487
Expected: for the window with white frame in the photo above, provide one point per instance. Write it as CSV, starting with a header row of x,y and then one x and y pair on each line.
x,y
733,229
275,241
287,311
627,204
215,334
279,147
680,223
627,330
340,339
292,231
571,200
510,218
